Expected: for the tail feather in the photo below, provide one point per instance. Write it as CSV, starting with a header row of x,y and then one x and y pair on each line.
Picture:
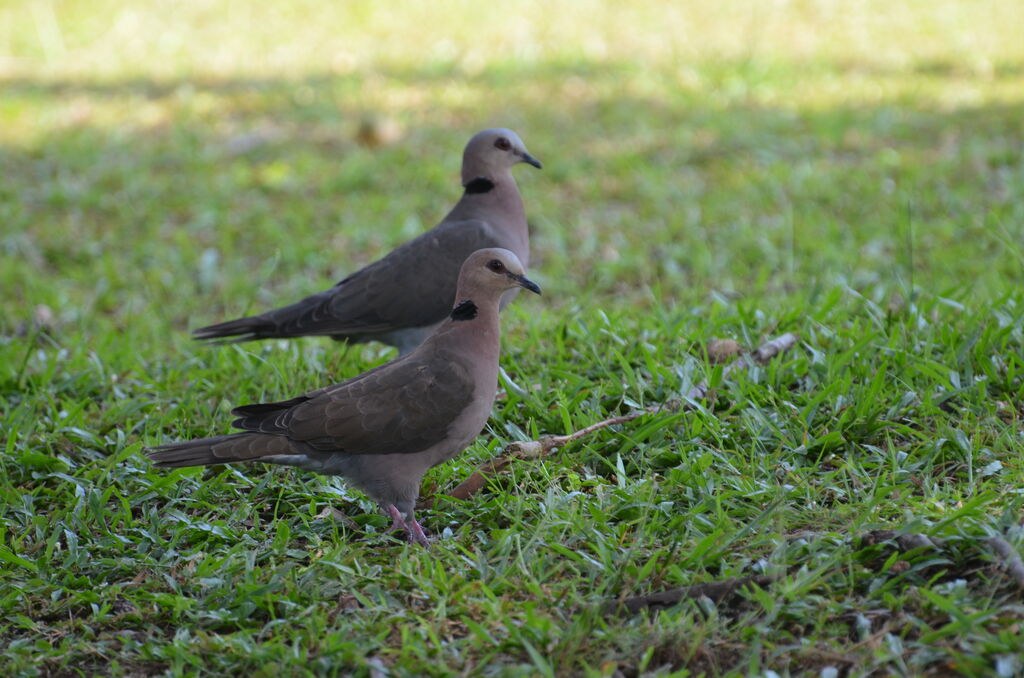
x,y
309,316
238,330
226,449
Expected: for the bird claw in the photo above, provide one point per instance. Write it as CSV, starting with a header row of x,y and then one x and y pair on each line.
x,y
413,530
415,533
397,521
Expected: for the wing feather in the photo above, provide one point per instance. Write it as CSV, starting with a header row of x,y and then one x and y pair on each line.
x,y
404,406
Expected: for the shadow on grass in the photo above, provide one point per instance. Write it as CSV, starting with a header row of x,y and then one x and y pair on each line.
x,y
649,184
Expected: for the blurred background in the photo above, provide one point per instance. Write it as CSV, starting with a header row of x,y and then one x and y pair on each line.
x,y
214,157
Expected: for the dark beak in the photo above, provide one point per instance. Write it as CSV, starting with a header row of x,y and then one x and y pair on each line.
x,y
530,160
523,281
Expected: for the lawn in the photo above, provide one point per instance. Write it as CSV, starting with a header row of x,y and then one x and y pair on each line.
x,y
851,172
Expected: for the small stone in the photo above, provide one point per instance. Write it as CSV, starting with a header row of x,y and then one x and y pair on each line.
x,y
43,316
529,449
723,350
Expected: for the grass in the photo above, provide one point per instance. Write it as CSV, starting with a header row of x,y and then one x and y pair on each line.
x,y
848,171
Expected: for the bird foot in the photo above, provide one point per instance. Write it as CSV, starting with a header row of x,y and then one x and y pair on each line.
x,y
415,533
397,521
413,530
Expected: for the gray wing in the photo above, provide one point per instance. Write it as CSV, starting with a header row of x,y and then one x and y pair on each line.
x,y
413,286
402,407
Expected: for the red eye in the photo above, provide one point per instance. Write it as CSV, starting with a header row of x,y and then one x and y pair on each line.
x,y
502,144
495,266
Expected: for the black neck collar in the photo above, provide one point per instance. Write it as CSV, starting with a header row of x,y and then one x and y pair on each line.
x,y
465,310
479,185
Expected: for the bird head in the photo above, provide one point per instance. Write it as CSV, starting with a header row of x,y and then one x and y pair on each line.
x,y
489,272
492,152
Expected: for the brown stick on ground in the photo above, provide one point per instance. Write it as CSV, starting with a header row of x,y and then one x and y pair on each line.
x,y
907,541
715,590
759,356
1010,559
537,448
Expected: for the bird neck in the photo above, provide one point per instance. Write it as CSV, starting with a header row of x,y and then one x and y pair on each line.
x,y
487,194
471,307
475,322
478,185
481,181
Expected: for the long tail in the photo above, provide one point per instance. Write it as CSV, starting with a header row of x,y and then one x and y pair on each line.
x,y
227,449
316,315
309,316
240,329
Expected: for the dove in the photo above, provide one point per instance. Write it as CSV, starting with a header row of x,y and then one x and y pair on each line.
x,y
383,429
399,300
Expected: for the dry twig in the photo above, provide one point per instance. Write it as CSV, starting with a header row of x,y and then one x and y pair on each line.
x,y
907,541
537,448
1010,559
761,355
717,591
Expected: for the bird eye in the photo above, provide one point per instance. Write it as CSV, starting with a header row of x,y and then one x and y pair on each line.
x,y
495,266
502,144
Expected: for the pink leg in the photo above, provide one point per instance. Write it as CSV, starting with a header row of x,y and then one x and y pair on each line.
x,y
414,532
397,521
